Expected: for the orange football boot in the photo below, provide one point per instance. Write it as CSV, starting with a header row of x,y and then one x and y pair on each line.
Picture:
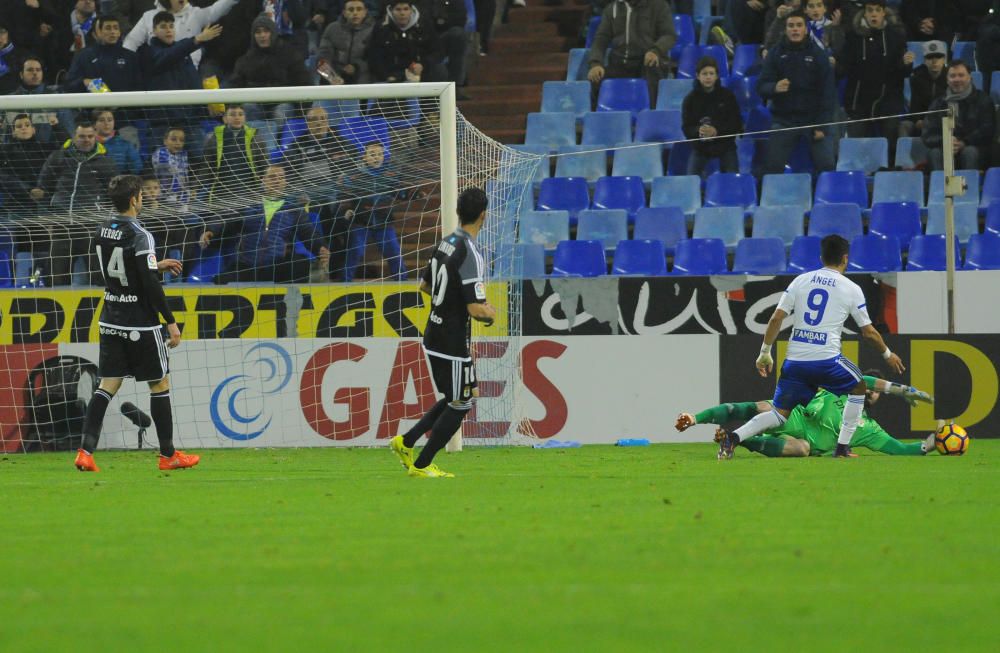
x,y
179,460
85,461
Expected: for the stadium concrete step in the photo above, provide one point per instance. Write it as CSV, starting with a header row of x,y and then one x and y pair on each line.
x,y
504,42
529,59
568,17
533,74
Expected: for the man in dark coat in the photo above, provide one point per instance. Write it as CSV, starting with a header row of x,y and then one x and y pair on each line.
x,y
404,47
711,110
269,62
974,122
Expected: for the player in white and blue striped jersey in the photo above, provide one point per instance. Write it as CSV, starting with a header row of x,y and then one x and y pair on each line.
x,y
820,303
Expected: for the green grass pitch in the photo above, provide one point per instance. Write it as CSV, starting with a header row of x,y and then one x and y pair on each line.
x,y
593,549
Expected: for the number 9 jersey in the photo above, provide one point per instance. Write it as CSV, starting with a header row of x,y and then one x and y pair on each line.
x,y
455,277
126,255
820,302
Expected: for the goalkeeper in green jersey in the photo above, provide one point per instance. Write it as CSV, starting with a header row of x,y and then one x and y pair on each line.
x,y
812,430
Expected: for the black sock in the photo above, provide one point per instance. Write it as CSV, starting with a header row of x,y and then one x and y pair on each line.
x,y
426,422
444,428
163,420
95,419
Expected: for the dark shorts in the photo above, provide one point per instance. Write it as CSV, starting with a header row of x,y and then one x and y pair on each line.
x,y
455,379
800,380
141,354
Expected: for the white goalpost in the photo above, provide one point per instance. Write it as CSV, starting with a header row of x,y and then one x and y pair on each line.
x,y
303,217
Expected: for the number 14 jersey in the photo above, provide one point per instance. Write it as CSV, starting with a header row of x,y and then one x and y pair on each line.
x,y
127,258
820,302
455,276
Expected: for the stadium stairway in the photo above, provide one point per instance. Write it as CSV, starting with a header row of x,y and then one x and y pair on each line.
x,y
532,47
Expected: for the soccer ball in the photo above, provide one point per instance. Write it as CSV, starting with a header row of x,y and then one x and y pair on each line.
x,y
951,440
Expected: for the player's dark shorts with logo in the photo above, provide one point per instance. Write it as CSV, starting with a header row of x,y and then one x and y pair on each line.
x,y
141,354
453,378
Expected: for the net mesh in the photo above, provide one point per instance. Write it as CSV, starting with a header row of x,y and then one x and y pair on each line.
x,y
303,227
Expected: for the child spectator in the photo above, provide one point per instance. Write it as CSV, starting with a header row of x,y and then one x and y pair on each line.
x,y
711,110
189,22
170,167
172,227
124,154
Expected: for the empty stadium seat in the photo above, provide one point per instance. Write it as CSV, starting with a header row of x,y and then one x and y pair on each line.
x,y
619,193
564,194
607,128
566,97
551,129
700,256
935,194
361,130
688,61
782,222
592,26
983,252
639,161
760,256
643,257
745,90
623,94
991,188
865,154
928,252
731,189
576,65
667,224
995,87
746,60
655,126
545,228
966,51
966,220
910,152
723,222
581,161
606,225
899,219
842,186
874,254
804,254
543,168
843,219
683,191
993,217
684,27
758,120
907,186
579,258
670,94
529,261
787,190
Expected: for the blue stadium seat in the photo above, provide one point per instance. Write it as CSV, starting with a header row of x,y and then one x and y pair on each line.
x,y
684,27
688,61
566,97
509,199
576,65
966,220
620,193
935,194
579,258
723,222
746,154
670,94
6,269
700,256
910,153
409,117
917,48
993,217
666,224
683,191
582,161
977,79
639,161
874,254
966,51
760,256
640,257
843,219
340,110
545,228
804,254
800,160
592,26
607,128
677,161
361,130
758,120
840,187
24,268
551,129
782,222
292,129
907,186
928,253
543,168
606,225
746,60
991,188
206,268
983,252
995,87
793,189
564,194
529,261
899,219
623,94
659,126
865,154
745,90
731,189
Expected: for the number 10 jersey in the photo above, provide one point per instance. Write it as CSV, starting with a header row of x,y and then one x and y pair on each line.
x,y
455,276
127,258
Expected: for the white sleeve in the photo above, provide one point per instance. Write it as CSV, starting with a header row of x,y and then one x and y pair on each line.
x,y
218,10
140,33
859,307
787,301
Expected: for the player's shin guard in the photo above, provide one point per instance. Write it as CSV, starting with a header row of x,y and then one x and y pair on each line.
x,y
163,419
425,424
445,427
772,419
852,416
95,419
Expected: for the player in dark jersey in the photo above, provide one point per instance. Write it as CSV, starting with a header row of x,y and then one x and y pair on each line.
x,y
132,339
454,281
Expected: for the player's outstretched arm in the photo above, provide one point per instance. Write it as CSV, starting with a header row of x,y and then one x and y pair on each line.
x,y
874,338
907,393
482,312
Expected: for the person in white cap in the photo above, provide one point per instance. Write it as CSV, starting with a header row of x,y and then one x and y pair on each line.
x,y
927,83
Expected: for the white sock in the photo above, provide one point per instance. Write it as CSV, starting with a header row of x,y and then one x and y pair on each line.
x,y
852,415
760,423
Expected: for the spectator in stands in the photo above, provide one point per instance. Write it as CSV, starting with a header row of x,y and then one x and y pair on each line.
x,y
640,34
486,11
173,228
710,110
188,22
171,167
448,18
747,16
269,62
931,20
234,156
48,124
81,21
798,81
974,126
107,60
291,18
875,61
344,45
774,20
124,154
10,62
372,188
927,83
21,157
30,23
824,26
404,47
219,55
129,12
268,232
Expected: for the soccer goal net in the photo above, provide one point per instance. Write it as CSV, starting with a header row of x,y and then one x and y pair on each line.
x,y
303,218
